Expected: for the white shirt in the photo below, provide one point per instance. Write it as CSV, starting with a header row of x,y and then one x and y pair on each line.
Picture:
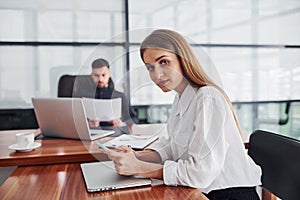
x,y
204,149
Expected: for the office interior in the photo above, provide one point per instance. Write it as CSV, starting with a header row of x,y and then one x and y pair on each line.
x,y
254,46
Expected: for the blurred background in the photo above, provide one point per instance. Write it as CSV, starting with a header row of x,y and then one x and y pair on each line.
x,y
254,46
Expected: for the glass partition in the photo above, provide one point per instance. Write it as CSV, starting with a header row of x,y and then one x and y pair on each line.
x,y
254,45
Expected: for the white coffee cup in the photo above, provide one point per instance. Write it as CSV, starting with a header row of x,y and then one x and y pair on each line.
x,y
24,140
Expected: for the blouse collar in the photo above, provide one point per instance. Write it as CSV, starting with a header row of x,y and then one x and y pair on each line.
x,y
184,100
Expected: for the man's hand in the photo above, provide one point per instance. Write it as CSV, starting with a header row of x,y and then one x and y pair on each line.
x,y
93,123
117,122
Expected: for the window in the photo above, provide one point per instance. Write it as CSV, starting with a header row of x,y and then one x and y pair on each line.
x,y
254,46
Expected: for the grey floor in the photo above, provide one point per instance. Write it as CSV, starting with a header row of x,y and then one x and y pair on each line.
x,y
5,172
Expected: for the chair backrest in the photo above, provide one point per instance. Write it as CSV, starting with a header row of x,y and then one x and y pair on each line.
x,y
279,158
65,86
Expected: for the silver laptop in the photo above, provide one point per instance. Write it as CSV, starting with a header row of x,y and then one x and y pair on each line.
x,y
101,176
65,118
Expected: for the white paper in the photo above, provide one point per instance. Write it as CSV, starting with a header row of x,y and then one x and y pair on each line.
x,y
103,109
135,142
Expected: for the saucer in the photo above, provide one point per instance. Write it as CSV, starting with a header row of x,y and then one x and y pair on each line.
x,y
25,149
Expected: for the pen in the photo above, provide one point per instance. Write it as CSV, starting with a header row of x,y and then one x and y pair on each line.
x,y
114,145
102,146
133,139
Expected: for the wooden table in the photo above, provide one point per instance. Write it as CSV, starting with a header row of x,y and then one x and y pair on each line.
x,y
53,172
65,181
52,151
57,150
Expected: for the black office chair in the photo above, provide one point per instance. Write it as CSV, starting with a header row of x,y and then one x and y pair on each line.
x,y
67,82
65,86
279,158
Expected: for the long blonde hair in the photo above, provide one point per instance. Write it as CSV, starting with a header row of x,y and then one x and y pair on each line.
x,y
173,42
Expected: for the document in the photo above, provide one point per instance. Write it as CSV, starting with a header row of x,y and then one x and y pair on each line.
x,y
103,109
133,141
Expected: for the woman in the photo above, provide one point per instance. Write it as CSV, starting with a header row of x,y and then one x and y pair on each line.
x,y
204,149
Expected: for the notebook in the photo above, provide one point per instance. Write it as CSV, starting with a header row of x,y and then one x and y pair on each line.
x,y
101,176
137,142
65,118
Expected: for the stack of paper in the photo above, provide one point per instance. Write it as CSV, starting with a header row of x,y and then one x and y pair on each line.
x,y
103,109
133,141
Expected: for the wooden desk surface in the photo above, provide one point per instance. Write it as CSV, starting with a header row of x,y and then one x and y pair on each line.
x,y
52,151
65,181
55,151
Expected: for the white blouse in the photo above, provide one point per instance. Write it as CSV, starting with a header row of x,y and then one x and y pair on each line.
x,y
204,149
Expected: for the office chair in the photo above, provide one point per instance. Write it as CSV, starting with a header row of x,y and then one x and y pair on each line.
x,y
279,158
65,86
67,82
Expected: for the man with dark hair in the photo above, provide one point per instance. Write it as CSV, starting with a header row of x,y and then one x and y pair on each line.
x,y
101,86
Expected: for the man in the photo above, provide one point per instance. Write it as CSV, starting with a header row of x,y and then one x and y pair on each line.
x,y
101,86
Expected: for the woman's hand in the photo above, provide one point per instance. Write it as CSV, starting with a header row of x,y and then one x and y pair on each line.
x,y
126,163
124,160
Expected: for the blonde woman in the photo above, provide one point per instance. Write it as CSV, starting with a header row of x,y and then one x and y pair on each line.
x,y
204,149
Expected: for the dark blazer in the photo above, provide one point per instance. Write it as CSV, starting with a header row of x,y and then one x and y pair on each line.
x,y
85,87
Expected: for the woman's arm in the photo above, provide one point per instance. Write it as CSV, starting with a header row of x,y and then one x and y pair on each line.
x,y
127,162
148,155
150,170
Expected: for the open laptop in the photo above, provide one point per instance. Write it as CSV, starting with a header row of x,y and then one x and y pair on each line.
x,y
101,176
65,118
